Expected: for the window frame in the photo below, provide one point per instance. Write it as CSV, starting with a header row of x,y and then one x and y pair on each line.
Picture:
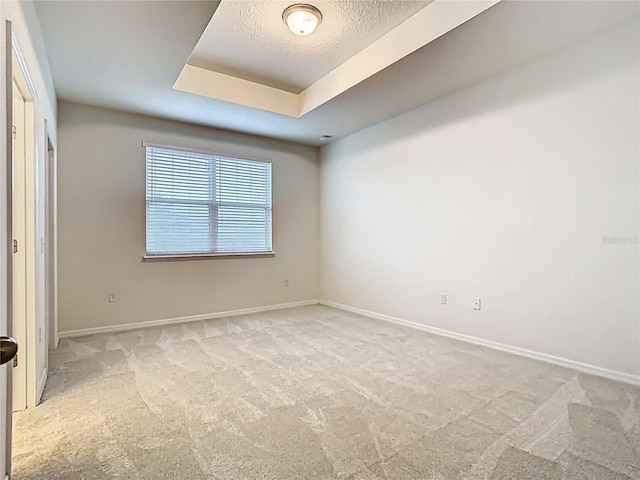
x,y
163,257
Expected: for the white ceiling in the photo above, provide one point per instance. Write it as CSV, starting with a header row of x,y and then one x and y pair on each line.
x,y
127,55
248,39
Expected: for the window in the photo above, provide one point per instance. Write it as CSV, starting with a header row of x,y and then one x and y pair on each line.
x,y
199,203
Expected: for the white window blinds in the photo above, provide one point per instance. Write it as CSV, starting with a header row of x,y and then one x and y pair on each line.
x,y
200,203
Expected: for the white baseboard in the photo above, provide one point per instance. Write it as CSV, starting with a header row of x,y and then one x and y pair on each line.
x,y
42,381
563,362
191,318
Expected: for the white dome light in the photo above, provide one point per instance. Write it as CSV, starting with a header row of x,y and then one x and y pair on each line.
x,y
302,19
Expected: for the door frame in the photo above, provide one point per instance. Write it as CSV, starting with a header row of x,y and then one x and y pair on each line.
x,y
18,230
27,327
51,259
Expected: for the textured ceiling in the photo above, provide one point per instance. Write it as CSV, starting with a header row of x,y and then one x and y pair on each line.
x,y
248,39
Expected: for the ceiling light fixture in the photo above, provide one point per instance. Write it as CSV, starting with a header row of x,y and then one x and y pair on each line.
x,y
301,18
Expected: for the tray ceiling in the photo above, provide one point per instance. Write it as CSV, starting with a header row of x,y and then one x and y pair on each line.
x,y
249,39
290,58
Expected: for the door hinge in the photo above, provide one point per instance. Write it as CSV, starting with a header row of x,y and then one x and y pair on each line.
x,y
15,361
15,246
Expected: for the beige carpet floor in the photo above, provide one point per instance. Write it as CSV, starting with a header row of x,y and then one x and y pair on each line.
x,y
317,393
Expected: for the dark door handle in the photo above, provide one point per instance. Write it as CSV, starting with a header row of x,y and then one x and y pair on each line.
x,y
8,349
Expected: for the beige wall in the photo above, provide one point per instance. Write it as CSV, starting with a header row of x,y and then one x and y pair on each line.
x,y
101,222
502,191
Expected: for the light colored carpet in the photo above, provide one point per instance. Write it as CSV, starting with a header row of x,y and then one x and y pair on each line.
x,y
317,393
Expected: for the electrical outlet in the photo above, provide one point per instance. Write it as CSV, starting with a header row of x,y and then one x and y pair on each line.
x,y
443,298
286,282
112,298
476,303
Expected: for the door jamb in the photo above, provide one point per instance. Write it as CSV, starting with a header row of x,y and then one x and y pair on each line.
x,y
51,257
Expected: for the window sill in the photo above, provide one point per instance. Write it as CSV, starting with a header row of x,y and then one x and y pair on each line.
x,y
205,256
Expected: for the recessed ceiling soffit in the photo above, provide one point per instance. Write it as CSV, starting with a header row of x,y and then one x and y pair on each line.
x,y
248,56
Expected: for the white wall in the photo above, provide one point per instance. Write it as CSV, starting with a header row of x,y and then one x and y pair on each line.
x,y
504,191
101,225
26,28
